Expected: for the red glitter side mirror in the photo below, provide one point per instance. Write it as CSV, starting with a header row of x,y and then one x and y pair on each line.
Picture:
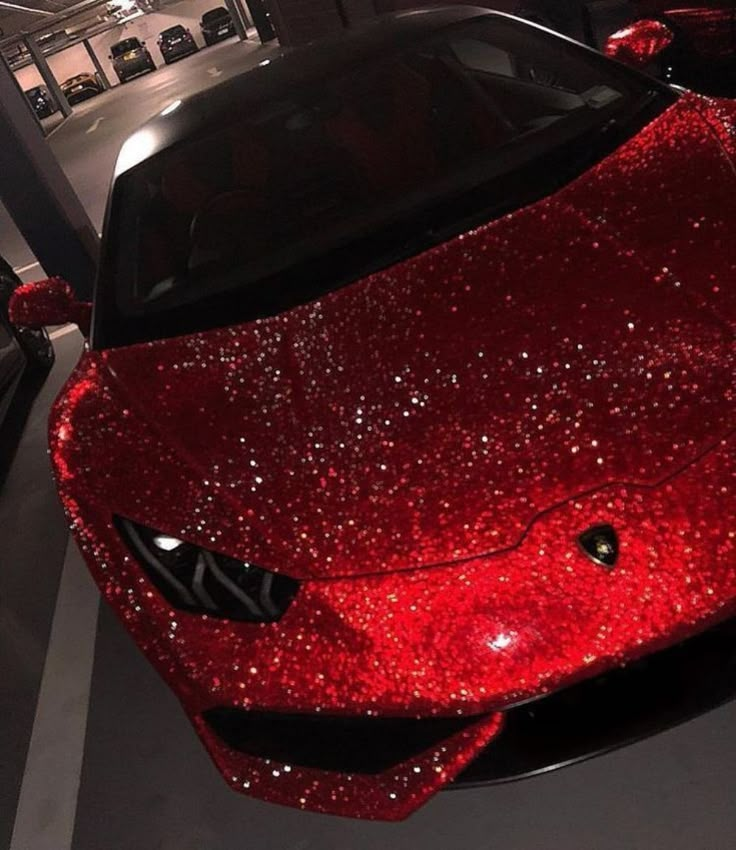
x,y
640,43
48,302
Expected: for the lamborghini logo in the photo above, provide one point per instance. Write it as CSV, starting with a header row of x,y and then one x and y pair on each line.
x,y
600,544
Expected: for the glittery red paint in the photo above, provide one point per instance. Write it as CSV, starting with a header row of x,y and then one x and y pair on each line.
x,y
48,302
422,448
639,43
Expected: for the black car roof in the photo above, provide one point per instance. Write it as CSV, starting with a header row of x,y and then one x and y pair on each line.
x,y
175,28
276,77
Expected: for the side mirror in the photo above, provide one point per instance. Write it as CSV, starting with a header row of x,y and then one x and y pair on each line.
x,y
640,43
48,302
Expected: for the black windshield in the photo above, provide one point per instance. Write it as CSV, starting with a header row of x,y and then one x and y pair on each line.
x,y
295,197
215,15
125,46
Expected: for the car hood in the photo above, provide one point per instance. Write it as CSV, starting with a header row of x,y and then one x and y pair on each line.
x,y
73,81
432,411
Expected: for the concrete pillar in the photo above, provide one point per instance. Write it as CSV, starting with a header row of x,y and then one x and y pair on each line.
x,y
39,197
48,77
96,62
234,10
261,19
300,21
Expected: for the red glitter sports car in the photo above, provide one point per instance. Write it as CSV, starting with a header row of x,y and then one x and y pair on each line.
x,y
404,441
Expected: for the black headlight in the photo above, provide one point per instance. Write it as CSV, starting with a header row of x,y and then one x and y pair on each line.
x,y
205,582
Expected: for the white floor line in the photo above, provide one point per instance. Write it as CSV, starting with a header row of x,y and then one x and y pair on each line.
x,y
62,331
44,819
27,268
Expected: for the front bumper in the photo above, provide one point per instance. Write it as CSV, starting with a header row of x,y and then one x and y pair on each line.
x,y
467,640
134,69
215,35
595,716
83,94
179,51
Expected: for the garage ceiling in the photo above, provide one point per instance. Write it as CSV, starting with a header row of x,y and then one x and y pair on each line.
x,y
40,16
15,20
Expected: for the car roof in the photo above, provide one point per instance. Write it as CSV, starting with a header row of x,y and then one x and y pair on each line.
x,y
175,28
275,78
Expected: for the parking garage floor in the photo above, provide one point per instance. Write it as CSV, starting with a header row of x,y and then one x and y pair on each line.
x,y
99,756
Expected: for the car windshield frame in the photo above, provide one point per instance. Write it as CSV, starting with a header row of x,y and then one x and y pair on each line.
x,y
127,45
215,15
400,233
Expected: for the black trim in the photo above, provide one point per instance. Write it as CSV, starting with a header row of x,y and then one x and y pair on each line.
x,y
364,745
204,582
612,710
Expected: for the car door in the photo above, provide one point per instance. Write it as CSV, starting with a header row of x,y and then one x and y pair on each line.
x,y
12,363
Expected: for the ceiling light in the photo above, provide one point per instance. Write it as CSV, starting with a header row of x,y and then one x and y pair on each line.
x,y
18,8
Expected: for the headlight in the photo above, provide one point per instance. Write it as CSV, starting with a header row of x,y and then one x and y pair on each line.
x,y
204,582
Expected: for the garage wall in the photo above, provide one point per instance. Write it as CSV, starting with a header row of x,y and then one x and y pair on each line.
x,y
63,65
29,77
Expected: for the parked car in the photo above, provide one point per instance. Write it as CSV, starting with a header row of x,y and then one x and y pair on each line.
x,y
82,87
404,441
217,25
693,44
131,58
42,101
21,349
176,43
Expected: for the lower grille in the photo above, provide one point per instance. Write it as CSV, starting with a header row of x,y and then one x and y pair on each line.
x,y
366,745
612,710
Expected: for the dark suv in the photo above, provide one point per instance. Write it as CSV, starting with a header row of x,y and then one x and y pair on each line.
x,y
175,43
130,58
217,25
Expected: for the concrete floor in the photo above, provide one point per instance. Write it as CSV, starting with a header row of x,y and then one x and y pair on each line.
x,y
87,144
114,765
97,754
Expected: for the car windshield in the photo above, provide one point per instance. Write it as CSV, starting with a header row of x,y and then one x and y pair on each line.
x,y
215,15
349,173
173,32
125,46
